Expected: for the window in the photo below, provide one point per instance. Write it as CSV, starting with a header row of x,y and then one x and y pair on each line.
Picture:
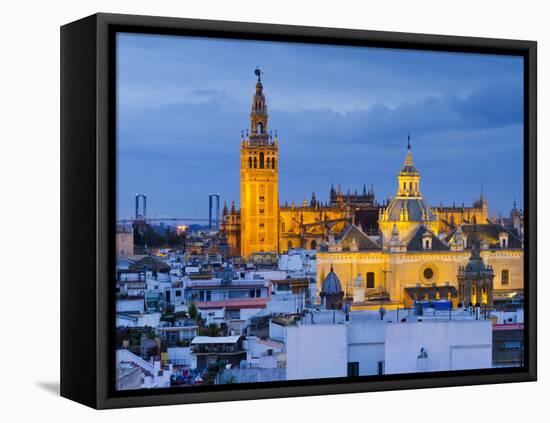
x,y
353,369
250,162
208,295
255,163
262,198
268,163
503,241
178,292
273,164
428,273
427,244
404,185
313,245
260,128
262,211
370,279
261,224
512,345
261,160
484,294
380,367
505,277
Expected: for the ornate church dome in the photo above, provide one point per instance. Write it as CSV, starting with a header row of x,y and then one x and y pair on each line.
x,y
409,209
331,284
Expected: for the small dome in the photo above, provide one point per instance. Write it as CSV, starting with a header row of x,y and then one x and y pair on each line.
x,y
331,284
408,167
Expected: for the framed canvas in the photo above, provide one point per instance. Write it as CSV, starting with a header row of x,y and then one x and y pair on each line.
x,y
258,211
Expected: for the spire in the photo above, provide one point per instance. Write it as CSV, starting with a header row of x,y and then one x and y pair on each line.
x,y
364,189
224,212
408,156
394,233
259,133
313,201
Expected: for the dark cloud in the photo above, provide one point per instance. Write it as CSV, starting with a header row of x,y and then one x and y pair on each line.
x,y
179,129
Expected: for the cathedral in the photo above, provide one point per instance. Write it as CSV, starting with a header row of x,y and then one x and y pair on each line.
x,y
399,247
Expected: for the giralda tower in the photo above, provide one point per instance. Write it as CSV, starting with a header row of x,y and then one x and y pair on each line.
x,y
259,181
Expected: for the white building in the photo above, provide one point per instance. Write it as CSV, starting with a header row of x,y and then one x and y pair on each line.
x,y
436,345
181,356
153,375
366,339
316,351
138,320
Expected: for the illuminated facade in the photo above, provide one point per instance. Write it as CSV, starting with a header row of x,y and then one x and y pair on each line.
x,y
404,245
412,251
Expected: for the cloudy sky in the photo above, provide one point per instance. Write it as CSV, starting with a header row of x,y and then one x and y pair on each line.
x,y
342,115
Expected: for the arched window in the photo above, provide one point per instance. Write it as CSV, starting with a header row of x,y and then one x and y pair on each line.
x,y
484,294
273,164
370,279
250,162
261,160
404,186
282,225
255,163
313,245
474,295
260,128
269,163
289,245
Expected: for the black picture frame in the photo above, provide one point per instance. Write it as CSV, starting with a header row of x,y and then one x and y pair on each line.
x,y
88,208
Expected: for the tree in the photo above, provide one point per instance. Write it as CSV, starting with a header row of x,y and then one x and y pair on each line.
x,y
192,311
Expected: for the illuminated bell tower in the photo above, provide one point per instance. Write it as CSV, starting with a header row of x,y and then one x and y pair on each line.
x,y
259,181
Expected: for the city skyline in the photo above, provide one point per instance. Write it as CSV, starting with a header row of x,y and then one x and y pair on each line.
x,y
463,111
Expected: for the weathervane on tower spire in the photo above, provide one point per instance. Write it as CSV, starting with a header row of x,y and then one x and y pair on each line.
x,y
258,73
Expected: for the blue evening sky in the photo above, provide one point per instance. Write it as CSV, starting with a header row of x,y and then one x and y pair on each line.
x,y
342,116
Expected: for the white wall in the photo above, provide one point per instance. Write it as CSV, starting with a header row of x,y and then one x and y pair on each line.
x,y
450,345
182,356
366,344
316,351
